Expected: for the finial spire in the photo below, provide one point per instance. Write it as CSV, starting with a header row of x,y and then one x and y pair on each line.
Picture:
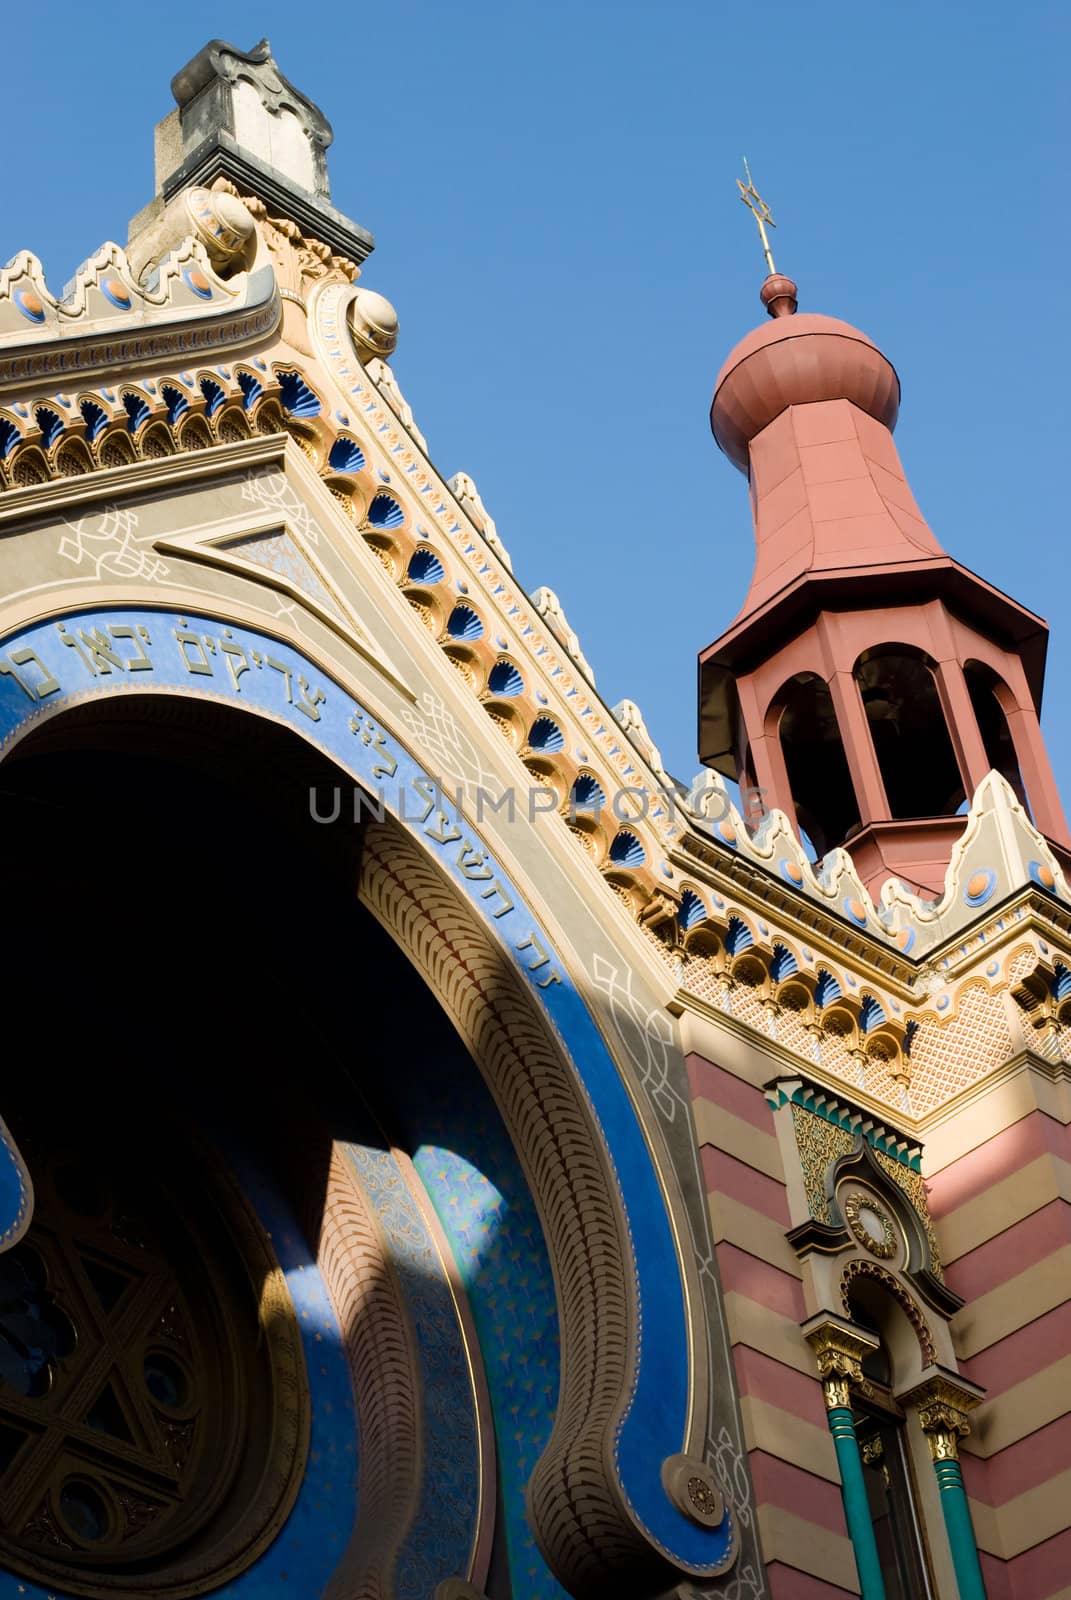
x,y
778,293
760,211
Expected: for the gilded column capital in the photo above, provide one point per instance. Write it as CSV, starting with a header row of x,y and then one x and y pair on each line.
x,y
839,1350
944,1402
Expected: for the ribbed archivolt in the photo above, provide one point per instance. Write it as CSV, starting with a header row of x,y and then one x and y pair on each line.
x,y
386,1386
576,1509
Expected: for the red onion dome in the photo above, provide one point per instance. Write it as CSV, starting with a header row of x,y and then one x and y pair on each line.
x,y
796,360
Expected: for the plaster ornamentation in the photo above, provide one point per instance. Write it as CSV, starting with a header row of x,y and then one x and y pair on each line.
x,y
452,752
107,543
409,898
645,1031
819,1143
914,1186
913,1022
109,321
299,259
622,1300
839,1351
861,1211
549,607
270,491
883,1071
467,496
870,1269
382,375
630,718
278,553
944,1403
692,1486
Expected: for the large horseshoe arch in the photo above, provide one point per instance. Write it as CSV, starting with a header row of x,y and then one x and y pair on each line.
x,y
599,1502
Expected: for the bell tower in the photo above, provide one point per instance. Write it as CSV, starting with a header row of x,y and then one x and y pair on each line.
x,y
870,681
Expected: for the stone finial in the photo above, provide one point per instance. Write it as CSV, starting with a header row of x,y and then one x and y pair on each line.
x,y
628,714
778,295
465,492
245,93
239,118
549,607
373,324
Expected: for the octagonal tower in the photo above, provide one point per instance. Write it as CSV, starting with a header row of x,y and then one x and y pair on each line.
x,y
870,681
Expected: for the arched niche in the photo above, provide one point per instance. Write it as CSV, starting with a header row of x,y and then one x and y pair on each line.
x,y
819,779
909,732
992,701
597,1501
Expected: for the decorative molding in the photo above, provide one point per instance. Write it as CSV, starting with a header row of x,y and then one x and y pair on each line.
x,y
819,1142
694,1489
909,954
944,1401
379,1348
839,1349
889,1281
855,1206
884,1138
582,1532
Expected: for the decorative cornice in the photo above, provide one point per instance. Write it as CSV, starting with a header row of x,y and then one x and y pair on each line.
x,y
1024,1061
108,320
844,1114
111,483
222,157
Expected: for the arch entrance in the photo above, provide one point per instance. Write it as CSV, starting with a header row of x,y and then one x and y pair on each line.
x,y
207,940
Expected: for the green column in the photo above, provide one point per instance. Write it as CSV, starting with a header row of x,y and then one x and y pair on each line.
x,y
853,1487
958,1521
944,1403
840,1350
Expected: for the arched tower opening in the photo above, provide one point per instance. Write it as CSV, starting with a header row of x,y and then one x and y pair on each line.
x,y
907,724
991,700
819,777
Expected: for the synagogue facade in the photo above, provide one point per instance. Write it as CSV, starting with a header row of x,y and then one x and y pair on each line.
x,y
445,1155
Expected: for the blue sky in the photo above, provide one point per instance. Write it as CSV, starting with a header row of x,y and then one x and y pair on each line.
x,y
552,192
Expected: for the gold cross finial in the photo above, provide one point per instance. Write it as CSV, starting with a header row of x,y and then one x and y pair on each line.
x,y
760,211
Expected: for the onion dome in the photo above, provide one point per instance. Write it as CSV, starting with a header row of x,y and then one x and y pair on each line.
x,y
797,359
